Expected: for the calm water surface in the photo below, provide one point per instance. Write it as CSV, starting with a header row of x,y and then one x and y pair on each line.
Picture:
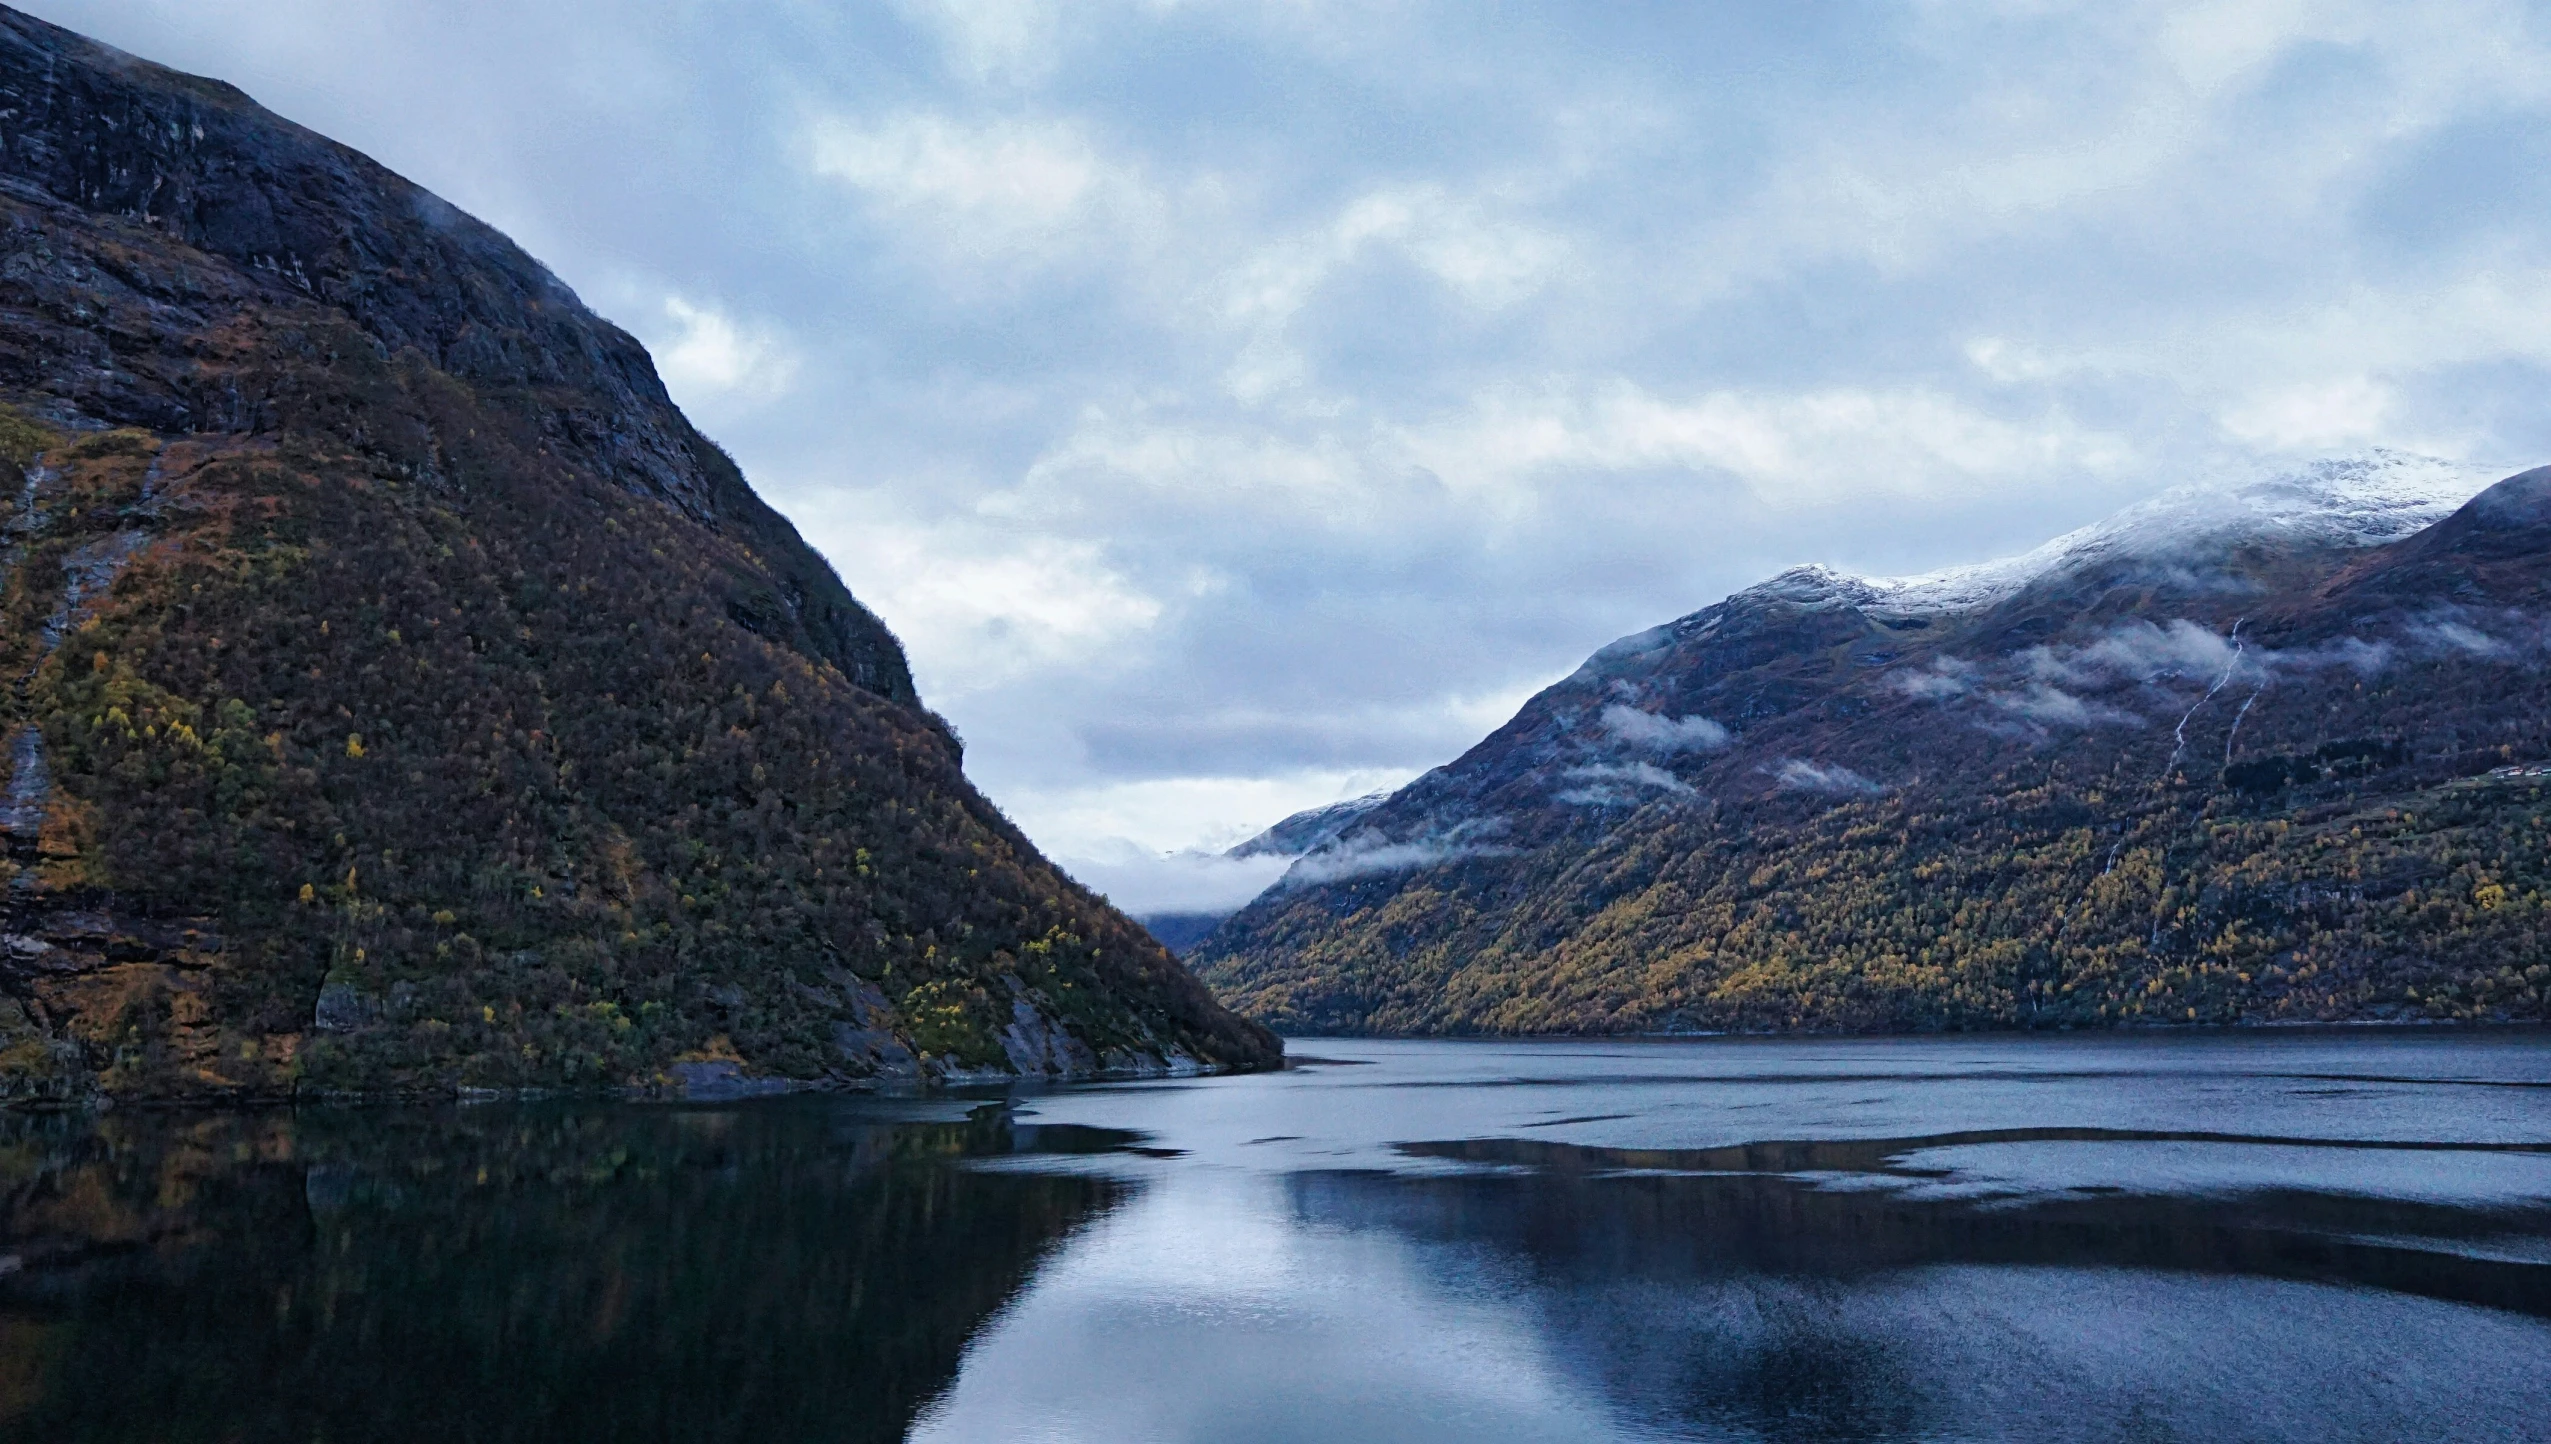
x,y
2308,1237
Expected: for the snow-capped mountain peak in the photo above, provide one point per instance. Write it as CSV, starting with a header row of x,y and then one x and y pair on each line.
x,y
2366,500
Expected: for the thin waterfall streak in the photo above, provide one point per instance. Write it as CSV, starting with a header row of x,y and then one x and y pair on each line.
x,y
2237,719
2179,734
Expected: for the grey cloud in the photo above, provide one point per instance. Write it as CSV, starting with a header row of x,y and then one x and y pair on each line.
x,y
2139,651
1176,882
1615,783
1798,774
2358,655
2448,635
1660,734
1940,680
2052,706
1362,855
1341,373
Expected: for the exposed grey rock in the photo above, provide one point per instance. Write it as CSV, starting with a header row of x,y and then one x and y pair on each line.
x,y
87,572
866,1040
725,1080
343,1008
30,787
1036,1044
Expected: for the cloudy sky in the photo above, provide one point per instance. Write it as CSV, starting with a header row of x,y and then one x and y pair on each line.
x,y
1238,405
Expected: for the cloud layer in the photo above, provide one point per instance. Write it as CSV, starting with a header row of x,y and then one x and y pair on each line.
x,y
1241,405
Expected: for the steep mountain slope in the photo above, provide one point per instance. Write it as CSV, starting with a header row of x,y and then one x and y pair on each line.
x,y
2259,755
401,694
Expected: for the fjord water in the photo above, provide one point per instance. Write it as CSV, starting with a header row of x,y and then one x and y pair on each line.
x,y
2227,1237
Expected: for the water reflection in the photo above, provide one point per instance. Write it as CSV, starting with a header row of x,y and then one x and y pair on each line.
x,y
767,1273
1707,1217
1736,1307
2282,1239
2272,1260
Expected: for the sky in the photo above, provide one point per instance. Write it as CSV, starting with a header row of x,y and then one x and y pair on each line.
x,y
1240,405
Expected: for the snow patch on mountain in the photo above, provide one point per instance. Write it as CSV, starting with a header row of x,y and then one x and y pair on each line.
x,y
2360,501
1310,830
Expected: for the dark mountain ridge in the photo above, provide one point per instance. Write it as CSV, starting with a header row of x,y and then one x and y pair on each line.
x,y
2224,758
402,696
332,237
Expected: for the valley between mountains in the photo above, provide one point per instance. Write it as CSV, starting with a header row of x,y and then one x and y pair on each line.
x,y
402,697
2273,754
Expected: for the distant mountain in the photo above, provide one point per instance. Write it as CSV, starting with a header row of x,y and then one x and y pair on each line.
x,y
1309,830
1180,932
401,695
1183,932
2266,754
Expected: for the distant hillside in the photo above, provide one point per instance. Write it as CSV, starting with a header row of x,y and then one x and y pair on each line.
x,y
400,694
2254,756
1309,830
1181,932
1305,831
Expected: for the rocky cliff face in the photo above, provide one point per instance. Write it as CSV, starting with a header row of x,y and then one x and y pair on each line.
x,y
230,247
400,694
2258,755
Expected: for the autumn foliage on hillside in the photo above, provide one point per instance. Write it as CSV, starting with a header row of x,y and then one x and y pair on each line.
x,y
2039,906
487,751
404,696
2269,782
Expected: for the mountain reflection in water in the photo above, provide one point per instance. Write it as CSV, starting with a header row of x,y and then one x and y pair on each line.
x,y
552,1272
1740,1306
2230,1238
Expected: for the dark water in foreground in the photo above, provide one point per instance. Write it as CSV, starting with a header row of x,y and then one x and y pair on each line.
x,y
2208,1238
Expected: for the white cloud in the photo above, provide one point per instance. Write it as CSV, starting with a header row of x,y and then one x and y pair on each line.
x,y
711,359
1165,815
1488,258
1483,253
1654,732
1174,882
1156,845
1940,680
1799,775
993,40
2449,635
2054,707
985,189
1171,463
2140,651
981,607
1813,448
2316,415
1617,781
2014,362
1365,855
1633,774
